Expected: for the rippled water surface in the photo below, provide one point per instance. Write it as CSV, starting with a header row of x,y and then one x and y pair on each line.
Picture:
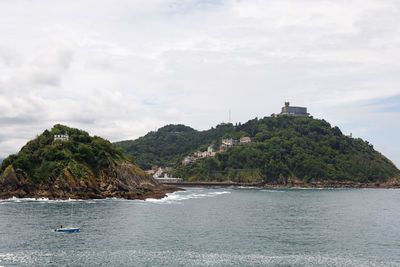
x,y
257,227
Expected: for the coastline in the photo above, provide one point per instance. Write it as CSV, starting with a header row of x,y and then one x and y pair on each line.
x,y
290,185
61,195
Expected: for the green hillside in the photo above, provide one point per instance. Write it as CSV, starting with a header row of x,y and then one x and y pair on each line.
x,y
43,159
80,166
171,143
284,149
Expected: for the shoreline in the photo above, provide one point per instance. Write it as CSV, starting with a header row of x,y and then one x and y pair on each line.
x,y
316,185
51,195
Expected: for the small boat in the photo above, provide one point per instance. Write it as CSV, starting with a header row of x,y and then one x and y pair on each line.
x,y
67,229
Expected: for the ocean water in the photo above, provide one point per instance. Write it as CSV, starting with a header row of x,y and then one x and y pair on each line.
x,y
208,227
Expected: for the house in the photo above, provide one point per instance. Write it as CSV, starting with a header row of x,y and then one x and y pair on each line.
x,y
61,137
223,147
211,149
160,170
206,154
292,111
158,173
245,140
229,142
188,160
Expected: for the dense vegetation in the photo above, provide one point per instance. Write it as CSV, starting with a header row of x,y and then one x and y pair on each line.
x,y
171,143
43,158
285,149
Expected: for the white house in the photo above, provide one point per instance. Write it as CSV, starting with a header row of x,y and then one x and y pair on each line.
x,y
198,154
211,149
61,137
244,140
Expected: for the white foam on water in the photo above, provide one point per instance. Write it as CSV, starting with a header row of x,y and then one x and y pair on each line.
x,y
178,197
39,200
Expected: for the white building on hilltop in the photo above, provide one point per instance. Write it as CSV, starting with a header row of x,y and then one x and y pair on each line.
x,y
61,137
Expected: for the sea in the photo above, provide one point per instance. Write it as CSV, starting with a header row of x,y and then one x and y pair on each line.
x,y
208,227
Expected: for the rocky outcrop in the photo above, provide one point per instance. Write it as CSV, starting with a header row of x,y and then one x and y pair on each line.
x,y
120,180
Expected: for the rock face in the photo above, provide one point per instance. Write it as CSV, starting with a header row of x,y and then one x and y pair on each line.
x,y
80,166
123,180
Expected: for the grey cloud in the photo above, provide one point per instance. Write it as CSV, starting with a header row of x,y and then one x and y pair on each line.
x,y
18,120
50,67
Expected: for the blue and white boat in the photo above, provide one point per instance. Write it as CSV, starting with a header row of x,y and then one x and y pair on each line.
x,y
67,229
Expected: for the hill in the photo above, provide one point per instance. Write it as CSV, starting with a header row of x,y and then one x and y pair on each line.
x,y
80,166
171,143
284,150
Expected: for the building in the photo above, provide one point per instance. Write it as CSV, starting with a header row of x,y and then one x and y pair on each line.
x,y
223,147
211,149
292,111
229,142
206,154
188,160
203,154
61,137
245,140
160,171
198,154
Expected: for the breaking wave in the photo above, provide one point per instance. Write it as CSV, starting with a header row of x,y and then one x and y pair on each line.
x,y
177,197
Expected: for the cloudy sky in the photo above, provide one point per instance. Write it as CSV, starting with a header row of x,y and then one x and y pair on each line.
x,y
121,68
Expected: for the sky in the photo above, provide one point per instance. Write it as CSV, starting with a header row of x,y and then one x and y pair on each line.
x,y
119,69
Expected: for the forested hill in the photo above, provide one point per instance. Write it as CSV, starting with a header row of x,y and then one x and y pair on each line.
x,y
69,163
171,143
43,159
284,148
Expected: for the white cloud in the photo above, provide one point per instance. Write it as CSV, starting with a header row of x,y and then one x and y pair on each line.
x,y
121,69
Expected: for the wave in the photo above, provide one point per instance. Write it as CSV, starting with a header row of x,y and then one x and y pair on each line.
x,y
177,197
42,200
